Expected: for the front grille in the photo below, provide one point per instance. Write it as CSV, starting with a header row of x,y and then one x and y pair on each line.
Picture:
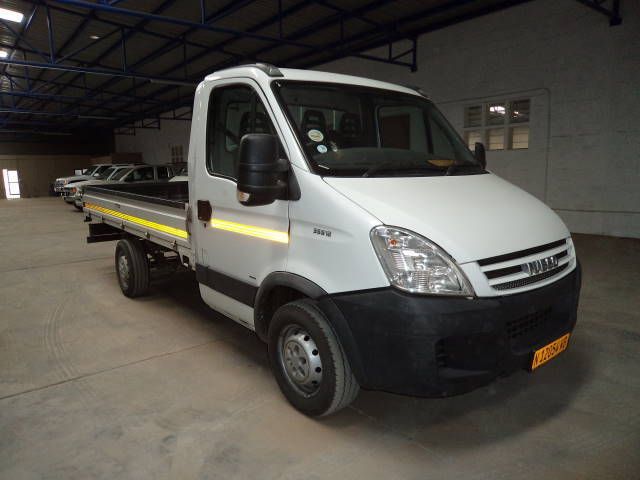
x,y
527,267
521,253
523,282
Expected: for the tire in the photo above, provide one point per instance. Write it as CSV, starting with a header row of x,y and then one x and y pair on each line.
x,y
132,268
78,208
302,325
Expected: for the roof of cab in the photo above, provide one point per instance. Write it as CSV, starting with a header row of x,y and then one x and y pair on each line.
x,y
263,71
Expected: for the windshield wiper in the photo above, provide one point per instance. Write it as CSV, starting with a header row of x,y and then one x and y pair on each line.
x,y
399,164
452,169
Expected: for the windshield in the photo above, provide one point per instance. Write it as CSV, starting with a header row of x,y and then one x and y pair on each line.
x,y
99,169
105,174
349,130
89,171
121,173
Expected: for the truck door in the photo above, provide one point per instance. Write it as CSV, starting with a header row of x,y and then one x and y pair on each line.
x,y
239,245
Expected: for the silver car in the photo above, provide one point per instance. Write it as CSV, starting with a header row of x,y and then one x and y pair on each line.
x,y
131,174
69,191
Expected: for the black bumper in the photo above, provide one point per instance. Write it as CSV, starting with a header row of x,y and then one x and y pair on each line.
x,y
433,346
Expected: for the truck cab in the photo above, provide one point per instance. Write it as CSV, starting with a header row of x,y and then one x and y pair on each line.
x,y
347,223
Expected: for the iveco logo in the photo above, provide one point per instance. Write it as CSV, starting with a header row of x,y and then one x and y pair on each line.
x,y
540,266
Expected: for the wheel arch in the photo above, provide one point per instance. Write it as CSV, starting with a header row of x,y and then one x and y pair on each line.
x,y
279,288
270,296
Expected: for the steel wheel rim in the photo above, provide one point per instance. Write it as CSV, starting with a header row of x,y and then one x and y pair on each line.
x,y
300,360
123,271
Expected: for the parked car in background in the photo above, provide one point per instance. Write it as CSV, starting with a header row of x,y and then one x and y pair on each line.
x,y
130,174
87,173
69,191
181,171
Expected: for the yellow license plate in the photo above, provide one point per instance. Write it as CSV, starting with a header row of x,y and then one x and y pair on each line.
x,y
552,350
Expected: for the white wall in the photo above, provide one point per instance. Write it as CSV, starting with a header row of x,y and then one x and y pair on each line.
x,y
583,77
155,144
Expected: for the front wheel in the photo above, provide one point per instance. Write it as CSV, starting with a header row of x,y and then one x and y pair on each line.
x,y
308,360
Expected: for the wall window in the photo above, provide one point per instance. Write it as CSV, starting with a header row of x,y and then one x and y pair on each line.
x,y
11,183
177,154
500,125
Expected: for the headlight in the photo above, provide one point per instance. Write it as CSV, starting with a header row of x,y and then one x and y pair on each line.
x,y
74,189
414,264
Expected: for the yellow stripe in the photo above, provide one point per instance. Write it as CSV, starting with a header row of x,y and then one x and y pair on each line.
x,y
140,221
251,230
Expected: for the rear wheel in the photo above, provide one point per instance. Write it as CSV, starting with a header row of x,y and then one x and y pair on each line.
x,y
132,267
308,361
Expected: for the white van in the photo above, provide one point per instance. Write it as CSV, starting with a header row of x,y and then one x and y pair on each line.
x,y
347,223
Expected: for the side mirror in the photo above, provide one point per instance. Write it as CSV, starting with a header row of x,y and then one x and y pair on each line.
x,y
480,154
262,175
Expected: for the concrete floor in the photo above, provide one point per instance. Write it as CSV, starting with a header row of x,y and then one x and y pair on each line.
x,y
95,385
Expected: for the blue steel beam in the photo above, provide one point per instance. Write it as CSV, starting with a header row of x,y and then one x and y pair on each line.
x,y
139,28
38,123
365,41
259,26
62,100
347,12
95,71
86,19
613,14
20,111
373,39
386,32
76,62
22,33
173,43
87,91
16,35
132,29
318,25
179,21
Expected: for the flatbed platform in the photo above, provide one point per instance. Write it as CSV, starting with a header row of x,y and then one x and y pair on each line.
x,y
157,212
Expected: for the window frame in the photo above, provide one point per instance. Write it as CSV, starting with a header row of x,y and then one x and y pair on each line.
x,y
257,94
506,127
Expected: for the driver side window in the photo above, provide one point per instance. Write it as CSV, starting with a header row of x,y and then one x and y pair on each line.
x,y
234,111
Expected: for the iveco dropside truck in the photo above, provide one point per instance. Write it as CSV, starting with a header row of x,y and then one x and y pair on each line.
x,y
347,223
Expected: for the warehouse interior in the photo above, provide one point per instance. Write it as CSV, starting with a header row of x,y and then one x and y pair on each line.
x,y
97,385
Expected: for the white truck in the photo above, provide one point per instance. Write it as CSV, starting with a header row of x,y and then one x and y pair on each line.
x,y
345,222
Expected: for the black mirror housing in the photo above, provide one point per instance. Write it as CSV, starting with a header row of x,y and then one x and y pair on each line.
x,y
262,175
480,154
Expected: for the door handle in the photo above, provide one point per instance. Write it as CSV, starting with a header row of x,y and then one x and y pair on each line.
x,y
204,210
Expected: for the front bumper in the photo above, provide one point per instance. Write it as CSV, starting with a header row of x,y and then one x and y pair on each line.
x,y
69,198
440,346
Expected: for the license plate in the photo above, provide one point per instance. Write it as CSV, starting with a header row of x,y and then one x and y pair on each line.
x,y
552,350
